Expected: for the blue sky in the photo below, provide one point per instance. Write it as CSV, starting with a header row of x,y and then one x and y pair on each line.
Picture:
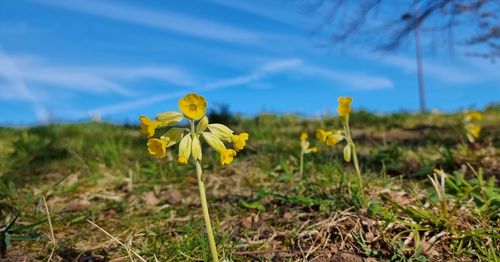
x,y
71,60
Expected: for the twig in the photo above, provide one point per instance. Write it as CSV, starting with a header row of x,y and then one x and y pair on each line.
x,y
129,250
52,237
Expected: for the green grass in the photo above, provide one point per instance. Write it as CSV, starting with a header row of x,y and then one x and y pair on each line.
x,y
260,207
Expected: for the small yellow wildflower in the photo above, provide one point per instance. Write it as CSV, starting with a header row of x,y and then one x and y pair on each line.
x,y
193,106
157,147
149,126
321,134
473,116
474,130
344,108
226,156
239,141
304,136
313,150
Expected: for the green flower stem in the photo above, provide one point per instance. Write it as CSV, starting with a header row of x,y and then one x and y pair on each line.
x,y
204,205
301,162
354,158
206,216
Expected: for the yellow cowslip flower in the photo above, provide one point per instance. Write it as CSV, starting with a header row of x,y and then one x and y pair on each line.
x,y
185,149
321,134
344,108
149,126
474,130
157,147
334,138
226,156
312,150
473,116
239,141
303,136
193,106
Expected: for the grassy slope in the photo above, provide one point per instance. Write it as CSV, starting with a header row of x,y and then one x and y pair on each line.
x,y
262,209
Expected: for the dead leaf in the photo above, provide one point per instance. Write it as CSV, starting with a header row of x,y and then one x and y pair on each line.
x,y
150,199
174,196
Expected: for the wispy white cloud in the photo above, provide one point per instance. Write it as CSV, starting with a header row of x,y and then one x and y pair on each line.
x,y
89,79
257,74
170,21
292,65
355,80
253,76
19,87
263,9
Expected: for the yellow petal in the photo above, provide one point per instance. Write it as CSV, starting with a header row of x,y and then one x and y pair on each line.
x,y
193,106
344,108
148,126
227,156
239,141
157,147
303,136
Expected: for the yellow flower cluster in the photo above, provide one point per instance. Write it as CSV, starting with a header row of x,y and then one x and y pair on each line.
x,y
304,144
193,107
333,137
472,128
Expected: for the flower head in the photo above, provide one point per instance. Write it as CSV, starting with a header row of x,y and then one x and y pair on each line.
x,y
334,138
149,126
239,141
157,147
303,136
321,134
226,156
344,108
473,116
193,106
474,130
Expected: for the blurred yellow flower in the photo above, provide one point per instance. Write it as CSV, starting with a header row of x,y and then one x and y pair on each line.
x,y
239,141
149,126
303,136
333,138
226,156
321,134
193,106
312,150
344,108
474,130
473,116
157,147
